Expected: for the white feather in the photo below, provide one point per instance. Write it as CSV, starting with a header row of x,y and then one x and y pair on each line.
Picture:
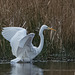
x,y
21,43
26,40
19,40
14,42
9,32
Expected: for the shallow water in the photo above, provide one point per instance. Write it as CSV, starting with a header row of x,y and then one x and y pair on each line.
x,y
38,68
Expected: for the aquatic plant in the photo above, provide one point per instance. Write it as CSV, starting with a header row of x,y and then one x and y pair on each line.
x,y
58,14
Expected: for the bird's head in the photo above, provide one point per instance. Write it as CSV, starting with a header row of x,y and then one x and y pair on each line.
x,y
45,27
48,28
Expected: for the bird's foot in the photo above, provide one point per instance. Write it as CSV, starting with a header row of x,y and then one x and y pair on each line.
x,y
19,60
16,60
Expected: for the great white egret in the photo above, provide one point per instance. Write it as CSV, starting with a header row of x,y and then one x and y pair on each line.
x,y
21,42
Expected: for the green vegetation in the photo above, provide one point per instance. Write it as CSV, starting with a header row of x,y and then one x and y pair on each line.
x,y
59,14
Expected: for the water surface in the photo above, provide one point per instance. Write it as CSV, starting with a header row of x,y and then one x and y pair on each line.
x,y
38,68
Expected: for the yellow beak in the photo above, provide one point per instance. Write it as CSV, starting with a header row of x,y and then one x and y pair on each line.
x,y
51,28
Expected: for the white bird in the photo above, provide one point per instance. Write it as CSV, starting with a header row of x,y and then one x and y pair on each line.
x,y
21,43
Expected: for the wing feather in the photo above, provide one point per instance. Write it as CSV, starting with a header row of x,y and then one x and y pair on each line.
x,y
9,32
14,42
26,40
18,38
25,45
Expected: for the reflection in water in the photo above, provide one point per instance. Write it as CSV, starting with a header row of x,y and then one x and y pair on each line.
x,y
25,69
48,68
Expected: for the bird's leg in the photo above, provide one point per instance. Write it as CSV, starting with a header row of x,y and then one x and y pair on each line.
x,y
25,57
15,60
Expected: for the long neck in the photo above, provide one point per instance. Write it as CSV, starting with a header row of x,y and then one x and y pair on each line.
x,y
41,40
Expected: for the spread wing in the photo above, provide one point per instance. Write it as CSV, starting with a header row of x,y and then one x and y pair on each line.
x,y
25,46
18,37
27,40
19,40
9,32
